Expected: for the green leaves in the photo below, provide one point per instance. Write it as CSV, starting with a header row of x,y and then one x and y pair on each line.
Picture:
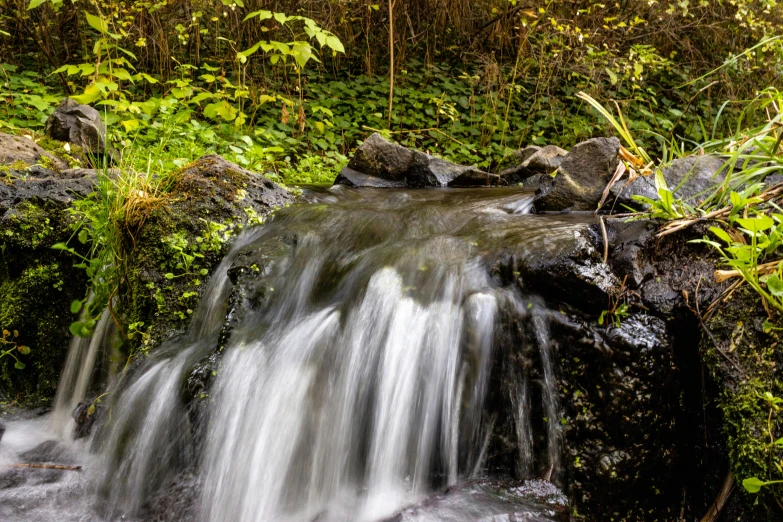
x,y
754,485
34,4
756,224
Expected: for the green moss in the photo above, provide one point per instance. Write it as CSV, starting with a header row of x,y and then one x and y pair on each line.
x,y
26,306
750,431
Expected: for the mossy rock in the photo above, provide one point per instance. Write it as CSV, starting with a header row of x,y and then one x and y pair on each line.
x,y
37,283
745,360
173,254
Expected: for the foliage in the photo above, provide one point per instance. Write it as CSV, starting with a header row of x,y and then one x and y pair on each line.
x,y
754,484
8,346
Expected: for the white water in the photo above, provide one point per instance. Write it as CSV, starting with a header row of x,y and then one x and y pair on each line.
x,y
77,375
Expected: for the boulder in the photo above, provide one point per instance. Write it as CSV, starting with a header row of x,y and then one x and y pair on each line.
x,y
379,163
19,152
38,283
356,179
689,178
535,160
581,178
78,124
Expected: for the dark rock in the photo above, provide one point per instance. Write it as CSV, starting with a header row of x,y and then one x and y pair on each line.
x,y
581,178
78,124
38,283
569,269
49,452
383,159
380,163
2,431
689,178
356,179
535,160
20,149
84,420
619,403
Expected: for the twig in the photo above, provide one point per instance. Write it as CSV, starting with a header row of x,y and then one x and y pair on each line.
x,y
720,500
47,466
606,238
766,268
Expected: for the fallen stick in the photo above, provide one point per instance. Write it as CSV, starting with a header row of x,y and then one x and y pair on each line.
x,y
47,466
763,269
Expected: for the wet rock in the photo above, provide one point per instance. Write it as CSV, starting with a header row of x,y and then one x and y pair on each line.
x,y
78,124
2,431
20,150
381,163
209,204
620,403
38,283
491,501
534,160
356,179
581,177
690,179
84,420
49,452
571,269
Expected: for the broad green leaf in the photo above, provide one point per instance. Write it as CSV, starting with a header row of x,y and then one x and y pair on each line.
x,y
753,485
34,4
775,285
76,306
261,15
24,350
722,235
97,23
19,365
756,224
335,44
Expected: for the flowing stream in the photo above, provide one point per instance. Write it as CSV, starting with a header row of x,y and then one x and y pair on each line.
x,y
358,349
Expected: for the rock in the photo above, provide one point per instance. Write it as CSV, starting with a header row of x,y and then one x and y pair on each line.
x,y
78,124
84,420
389,161
380,163
211,201
568,268
693,175
22,151
38,283
535,160
356,179
619,398
2,431
581,178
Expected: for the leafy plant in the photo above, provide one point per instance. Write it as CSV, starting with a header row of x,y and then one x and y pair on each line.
x,y
9,347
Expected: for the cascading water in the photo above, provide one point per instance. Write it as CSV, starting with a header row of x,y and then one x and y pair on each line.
x,y
365,333
78,372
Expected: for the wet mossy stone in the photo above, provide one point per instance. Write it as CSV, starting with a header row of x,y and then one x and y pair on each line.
x,y
210,203
37,283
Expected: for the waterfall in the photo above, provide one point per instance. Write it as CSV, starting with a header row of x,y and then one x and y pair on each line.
x,y
78,372
357,373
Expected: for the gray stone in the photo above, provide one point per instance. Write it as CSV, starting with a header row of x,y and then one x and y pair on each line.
x,y
690,179
581,178
15,149
382,164
380,158
78,124
353,178
535,160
